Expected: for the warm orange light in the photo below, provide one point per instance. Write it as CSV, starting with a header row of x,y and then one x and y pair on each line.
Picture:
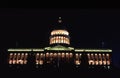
x,y
41,62
56,32
104,62
63,55
96,62
71,55
91,62
10,61
14,61
108,62
77,62
100,62
59,39
55,54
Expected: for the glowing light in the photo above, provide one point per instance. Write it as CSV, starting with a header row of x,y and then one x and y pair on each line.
x,y
26,53
59,54
100,62
71,55
55,32
37,54
91,62
92,50
104,62
36,62
63,55
38,49
91,54
77,62
19,49
108,62
11,54
66,53
80,54
107,54
95,50
76,54
59,39
41,54
55,54
10,61
47,54
59,48
108,67
14,61
96,62
41,62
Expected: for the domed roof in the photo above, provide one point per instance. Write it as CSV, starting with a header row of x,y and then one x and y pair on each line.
x,y
59,32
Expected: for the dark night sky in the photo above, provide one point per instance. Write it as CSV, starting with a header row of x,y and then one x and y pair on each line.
x,y
87,27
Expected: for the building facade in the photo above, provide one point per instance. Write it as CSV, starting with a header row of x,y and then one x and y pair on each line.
x,y
60,54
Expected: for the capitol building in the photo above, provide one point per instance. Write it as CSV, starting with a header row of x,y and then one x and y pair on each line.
x,y
60,54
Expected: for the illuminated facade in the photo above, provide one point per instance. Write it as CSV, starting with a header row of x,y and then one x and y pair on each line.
x,y
59,36
60,53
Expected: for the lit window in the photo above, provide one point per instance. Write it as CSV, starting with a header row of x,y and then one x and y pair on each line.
x,y
41,54
71,55
10,61
88,54
11,53
14,61
51,54
59,54
104,62
61,41
55,54
17,60
100,62
36,61
47,53
37,53
67,54
108,62
107,54
41,62
26,54
91,62
25,61
21,61
57,38
64,39
63,54
76,54
77,62
96,62
22,53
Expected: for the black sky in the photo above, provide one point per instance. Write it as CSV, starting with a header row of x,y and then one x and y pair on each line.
x,y
88,28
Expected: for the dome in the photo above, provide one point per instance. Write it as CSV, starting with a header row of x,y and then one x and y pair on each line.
x,y
59,32
59,35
